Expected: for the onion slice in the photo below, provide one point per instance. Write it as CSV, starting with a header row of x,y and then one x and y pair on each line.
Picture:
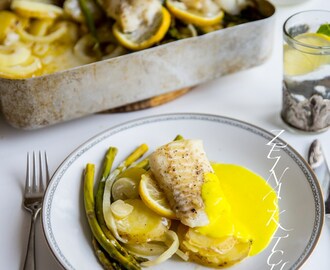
x,y
23,70
13,55
172,249
59,32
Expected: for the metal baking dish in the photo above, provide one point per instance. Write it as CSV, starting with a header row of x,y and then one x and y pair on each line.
x,y
62,96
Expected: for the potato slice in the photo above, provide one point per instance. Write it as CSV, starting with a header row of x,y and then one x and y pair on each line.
x,y
212,252
141,225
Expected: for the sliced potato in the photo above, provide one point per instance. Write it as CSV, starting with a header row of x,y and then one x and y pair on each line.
x,y
239,252
212,252
141,225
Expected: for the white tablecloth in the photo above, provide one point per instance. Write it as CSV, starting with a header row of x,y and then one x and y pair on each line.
x,y
253,95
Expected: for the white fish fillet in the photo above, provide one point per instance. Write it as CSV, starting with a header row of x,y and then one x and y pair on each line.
x,y
179,169
232,7
132,14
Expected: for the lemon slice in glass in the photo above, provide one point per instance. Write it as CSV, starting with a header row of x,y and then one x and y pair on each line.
x,y
302,59
180,11
154,197
145,37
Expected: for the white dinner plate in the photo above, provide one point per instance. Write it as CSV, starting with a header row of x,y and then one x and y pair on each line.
x,y
225,141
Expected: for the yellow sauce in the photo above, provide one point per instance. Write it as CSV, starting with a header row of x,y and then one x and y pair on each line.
x,y
241,203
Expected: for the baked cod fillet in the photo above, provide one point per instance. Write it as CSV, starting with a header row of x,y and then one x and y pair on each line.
x,y
179,169
132,14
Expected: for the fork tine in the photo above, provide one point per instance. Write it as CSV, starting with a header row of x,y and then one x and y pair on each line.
x,y
47,169
34,174
41,179
28,178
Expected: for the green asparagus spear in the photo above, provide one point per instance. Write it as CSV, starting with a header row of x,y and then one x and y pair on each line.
x,y
97,232
107,165
103,258
89,21
134,156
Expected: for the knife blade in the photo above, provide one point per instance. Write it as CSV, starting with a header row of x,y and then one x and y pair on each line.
x,y
318,163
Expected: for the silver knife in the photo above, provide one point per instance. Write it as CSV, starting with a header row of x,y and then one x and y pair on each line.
x,y
317,161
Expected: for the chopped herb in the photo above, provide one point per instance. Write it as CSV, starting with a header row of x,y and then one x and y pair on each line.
x,y
324,29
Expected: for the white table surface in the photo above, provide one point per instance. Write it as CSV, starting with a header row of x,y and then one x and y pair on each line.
x,y
253,95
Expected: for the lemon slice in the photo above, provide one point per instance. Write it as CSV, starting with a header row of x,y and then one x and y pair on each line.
x,y
153,197
301,60
39,10
314,39
193,16
149,37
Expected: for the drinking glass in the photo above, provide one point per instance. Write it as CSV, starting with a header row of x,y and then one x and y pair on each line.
x,y
306,67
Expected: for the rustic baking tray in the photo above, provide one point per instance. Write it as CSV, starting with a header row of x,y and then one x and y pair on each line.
x,y
46,100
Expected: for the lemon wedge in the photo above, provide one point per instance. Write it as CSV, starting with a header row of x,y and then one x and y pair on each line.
x,y
136,42
302,60
39,10
193,16
153,197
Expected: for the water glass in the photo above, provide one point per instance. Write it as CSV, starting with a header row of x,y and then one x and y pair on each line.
x,y
306,67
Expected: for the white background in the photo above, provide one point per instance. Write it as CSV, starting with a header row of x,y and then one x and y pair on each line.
x,y
253,96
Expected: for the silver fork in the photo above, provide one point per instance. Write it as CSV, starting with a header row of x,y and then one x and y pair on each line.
x,y
37,178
